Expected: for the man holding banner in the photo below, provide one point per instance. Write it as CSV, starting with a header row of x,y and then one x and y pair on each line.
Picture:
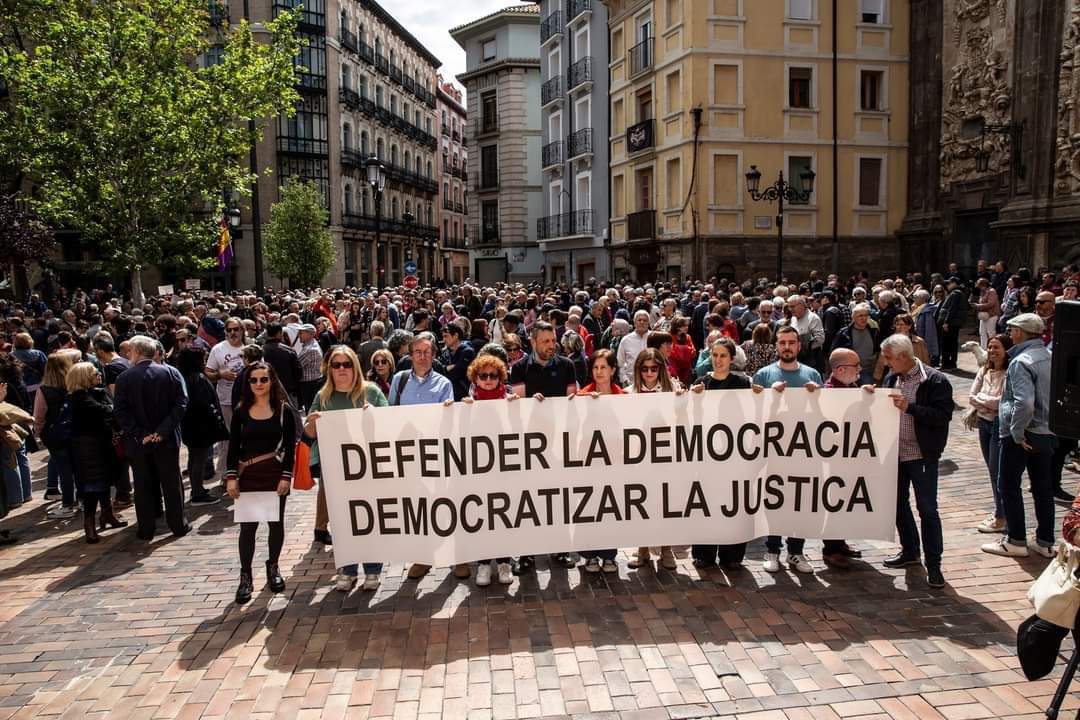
x,y
925,401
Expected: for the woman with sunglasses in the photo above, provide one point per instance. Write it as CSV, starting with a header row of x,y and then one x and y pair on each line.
x,y
722,352
344,389
487,375
262,440
651,375
602,369
382,369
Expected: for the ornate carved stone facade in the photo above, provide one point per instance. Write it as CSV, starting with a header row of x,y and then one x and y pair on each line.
x,y
1067,166
977,89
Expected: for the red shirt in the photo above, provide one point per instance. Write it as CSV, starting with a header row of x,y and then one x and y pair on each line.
x,y
591,387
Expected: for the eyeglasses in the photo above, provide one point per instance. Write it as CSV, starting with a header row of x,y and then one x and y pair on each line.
x,y
262,380
845,367
650,368
343,365
1043,302
232,329
378,362
487,376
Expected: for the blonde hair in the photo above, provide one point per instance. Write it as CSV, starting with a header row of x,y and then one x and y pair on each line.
x,y
57,367
358,392
81,376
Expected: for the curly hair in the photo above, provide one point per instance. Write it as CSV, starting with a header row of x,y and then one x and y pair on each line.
x,y
485,361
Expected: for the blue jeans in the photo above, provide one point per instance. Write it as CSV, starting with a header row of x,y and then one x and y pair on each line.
x,y
922,475
12,479
990,442
1014,459
369,569
62,475
773,544
23,461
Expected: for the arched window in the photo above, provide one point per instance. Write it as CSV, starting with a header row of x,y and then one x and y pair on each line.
x,y
393,57
361,86
346,136
365,148
428,216
393,104
393,209
378,46
446,190
360,31
417,123
408,208
380,149
408,160
345,83
393,155
344,20
429,169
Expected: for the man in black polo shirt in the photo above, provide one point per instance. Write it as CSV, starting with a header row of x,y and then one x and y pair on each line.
x,y
543,373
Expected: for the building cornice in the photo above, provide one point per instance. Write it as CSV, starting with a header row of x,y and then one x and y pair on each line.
x,y
506,64
387,19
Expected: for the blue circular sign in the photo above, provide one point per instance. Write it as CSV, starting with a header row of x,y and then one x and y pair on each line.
x,y
410,267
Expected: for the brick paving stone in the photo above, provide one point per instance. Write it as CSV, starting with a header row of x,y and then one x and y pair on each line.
x,y
129,630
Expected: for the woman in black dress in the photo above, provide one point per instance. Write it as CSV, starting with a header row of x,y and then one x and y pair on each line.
x,y
261,445
721,378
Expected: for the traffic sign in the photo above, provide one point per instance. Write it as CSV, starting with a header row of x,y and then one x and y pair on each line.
x,y
411,282
410,267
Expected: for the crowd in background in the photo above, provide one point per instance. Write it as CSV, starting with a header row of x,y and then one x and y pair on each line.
x,y
112,391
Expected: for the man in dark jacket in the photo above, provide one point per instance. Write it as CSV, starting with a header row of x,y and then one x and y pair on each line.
x,y
832,318
150,404
456,357
951,317
284,361
924,397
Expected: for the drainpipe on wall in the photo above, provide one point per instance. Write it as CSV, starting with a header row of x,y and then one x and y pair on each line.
x,y
835,152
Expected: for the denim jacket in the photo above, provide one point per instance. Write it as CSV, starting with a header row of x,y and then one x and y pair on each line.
x,y
1025,401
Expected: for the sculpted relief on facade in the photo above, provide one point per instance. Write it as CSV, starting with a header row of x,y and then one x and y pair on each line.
x,y
977,88
1067,163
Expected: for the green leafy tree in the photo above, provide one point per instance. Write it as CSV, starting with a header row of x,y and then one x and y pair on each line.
x,y
128,139
298,245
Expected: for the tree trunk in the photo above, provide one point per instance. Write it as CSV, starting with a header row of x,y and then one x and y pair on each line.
x,y
138,299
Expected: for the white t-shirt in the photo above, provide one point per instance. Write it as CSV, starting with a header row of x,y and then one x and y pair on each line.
x,y
224,356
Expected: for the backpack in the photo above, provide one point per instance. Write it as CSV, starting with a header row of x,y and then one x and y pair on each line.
x,y
57,434
402,382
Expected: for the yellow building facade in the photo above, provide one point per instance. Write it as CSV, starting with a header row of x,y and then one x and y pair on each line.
x,y
701,90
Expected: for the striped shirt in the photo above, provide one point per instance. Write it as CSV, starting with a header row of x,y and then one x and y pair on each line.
x,y
908,385
310,356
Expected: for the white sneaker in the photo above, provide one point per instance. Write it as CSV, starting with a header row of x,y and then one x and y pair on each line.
x,y
506,574
992,525
1006,549
371,581
800,563
483,574
61,512
1041,550
345,583
771,563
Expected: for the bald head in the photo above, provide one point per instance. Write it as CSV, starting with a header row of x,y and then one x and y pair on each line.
x,y
843,356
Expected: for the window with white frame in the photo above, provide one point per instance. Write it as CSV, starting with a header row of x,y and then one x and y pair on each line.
x,y
872,11
871,83
800,87
798,165
488,50
800,9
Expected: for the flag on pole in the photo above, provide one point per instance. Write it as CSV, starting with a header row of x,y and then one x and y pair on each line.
x,y
224,245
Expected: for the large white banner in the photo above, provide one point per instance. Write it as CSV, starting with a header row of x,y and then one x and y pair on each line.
x,y
443,485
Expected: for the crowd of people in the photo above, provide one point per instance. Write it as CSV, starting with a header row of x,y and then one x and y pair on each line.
x,y
112,391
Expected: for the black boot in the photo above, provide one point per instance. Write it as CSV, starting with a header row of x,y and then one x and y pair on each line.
x,y
243,592
91,529
109,519
274,581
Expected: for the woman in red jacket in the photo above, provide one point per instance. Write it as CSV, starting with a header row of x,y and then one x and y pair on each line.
x,y
683,353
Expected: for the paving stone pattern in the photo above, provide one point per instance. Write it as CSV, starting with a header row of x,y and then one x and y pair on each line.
x,y
129,630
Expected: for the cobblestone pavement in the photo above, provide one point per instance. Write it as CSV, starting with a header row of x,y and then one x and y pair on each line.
x,y
127,630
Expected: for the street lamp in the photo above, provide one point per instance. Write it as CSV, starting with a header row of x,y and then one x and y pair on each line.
x,y
780,191
376,177
407,217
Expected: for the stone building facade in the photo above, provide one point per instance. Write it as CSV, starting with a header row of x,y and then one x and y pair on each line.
x,y
502,82
994,171
453,161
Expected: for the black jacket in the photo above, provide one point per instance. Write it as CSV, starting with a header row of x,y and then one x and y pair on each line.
x,y
832,319
932,411
200,421
93,455
285,363
954,309
150,398
843,338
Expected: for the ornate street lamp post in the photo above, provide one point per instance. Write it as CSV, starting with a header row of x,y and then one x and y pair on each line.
x,y
780,191
376,177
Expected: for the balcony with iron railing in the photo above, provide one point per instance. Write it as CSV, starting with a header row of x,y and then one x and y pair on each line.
x,y
395,74
486,235
567,224
456,136
350,97
351,157
579,75
551,91
298,145
551,155
551,28
641,57
445,130
367,53
575,9
579,144
640,137
348,40
641,225
381,63
489,123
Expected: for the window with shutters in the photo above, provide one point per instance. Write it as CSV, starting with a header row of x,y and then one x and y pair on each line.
x,y
870,89
872,11
800,9
870,182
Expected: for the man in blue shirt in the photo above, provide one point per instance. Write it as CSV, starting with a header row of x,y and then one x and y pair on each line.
x,y
421,385
787,371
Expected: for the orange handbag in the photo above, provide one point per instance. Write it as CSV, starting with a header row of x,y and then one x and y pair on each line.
x,y
301,474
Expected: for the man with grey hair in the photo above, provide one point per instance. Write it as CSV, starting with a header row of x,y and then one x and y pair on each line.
x,y
811,332
150,403
632,344
924,399
1026,441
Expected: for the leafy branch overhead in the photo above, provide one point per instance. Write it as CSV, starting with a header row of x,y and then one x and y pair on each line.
x,y
23,237
128,138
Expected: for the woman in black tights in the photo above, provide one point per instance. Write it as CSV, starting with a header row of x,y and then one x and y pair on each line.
x,y
261,444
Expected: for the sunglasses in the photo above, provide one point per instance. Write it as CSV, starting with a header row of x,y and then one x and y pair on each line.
x,y
343,365
232,329
487,376
263,380
650,368
379,362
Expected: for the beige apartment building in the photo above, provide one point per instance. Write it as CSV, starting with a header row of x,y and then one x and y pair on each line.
x,y
701,91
